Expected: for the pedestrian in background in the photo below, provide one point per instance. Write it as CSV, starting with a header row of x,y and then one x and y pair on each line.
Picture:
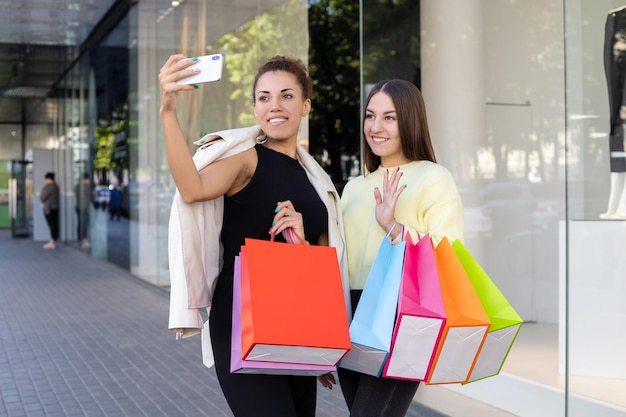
x,y
115,203
83,195
49,196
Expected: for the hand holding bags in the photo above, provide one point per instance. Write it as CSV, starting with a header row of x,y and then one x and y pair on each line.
x,y
505,322
421,314
292,304
372,325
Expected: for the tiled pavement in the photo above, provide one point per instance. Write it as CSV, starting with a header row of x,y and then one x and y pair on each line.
x,y
83,338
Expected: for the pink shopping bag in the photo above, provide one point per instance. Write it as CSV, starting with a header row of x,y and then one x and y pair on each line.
x,y
421,314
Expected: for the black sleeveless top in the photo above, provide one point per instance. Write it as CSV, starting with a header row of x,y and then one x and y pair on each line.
x,y
249,212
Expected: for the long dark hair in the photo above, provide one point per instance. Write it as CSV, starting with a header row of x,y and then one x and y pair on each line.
x,y
412,122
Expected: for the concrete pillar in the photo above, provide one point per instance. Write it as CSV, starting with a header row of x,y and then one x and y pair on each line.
x,y
452,80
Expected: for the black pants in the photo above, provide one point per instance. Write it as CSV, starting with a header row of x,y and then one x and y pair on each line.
x,y
83,223
115,212
250,395
369,396
52,218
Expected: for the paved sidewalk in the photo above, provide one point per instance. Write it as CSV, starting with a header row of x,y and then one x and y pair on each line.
x,y
83,338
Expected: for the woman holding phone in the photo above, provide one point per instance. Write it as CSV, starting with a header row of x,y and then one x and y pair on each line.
x,y
259,178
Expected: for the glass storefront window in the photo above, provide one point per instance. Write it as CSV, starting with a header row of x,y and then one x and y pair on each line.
x,y
521,109
520,114
245,34
592,346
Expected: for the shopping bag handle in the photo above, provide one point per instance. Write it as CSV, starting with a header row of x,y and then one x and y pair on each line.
x,y
291,236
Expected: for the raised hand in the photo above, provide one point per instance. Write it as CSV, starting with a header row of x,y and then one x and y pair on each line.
x,y
173,70
387,199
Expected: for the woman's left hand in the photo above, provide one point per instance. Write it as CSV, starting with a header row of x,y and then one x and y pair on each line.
x,y
327,380
286,216
175,68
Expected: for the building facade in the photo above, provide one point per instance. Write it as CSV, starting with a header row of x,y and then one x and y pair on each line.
x,y
521,99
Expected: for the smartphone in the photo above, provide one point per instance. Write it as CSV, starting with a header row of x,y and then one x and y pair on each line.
x,y
210,70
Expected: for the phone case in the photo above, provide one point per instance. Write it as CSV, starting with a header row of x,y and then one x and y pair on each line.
x,y
210,70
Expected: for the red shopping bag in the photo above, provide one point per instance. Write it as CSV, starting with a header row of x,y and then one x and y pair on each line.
x,y
467,323
292,304
421,314
239,365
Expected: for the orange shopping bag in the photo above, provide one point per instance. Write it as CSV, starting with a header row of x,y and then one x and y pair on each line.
x,y
467,323
292,304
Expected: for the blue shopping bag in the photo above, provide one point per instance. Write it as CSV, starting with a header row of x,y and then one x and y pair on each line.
x,y
373,322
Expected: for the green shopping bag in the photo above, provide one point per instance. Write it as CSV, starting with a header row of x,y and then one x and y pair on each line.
x,y
505,322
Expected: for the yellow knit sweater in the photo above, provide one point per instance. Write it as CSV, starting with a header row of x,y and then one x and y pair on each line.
x,y
430,204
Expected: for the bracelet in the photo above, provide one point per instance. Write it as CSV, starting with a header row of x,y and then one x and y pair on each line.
x,y
400,236
393,226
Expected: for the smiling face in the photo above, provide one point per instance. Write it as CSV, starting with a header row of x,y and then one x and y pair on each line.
x,y
279,105
381,131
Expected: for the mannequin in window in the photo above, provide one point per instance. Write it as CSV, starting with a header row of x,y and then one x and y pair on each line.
x,y
615,70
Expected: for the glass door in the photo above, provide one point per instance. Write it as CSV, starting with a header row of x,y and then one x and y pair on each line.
x,y
20,204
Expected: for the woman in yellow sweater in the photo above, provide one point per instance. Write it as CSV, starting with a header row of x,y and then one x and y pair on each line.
x,y
404,191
